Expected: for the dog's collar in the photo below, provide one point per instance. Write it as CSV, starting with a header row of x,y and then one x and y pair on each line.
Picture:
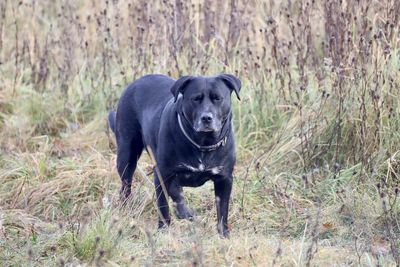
x,y
222,142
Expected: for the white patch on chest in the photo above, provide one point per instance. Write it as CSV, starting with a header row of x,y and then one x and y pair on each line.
x,y
216,170
191,168
202,168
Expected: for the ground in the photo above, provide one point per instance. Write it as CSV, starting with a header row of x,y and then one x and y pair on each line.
x,y
317,132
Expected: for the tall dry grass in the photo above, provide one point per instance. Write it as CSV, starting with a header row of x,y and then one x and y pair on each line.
x,y
317,130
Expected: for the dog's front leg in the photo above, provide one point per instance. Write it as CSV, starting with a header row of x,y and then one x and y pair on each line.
x,y
223,190
176,193
164,218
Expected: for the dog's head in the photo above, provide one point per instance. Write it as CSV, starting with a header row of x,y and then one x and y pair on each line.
x,y
206,101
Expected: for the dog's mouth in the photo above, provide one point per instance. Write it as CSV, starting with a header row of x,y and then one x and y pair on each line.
x,y
207,127
206,130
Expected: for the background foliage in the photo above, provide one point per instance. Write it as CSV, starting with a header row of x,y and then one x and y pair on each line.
x,y
317,130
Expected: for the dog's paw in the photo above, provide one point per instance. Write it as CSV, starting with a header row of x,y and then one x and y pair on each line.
x,y
163,224
183,212
124,193
123,200
224,230
225,233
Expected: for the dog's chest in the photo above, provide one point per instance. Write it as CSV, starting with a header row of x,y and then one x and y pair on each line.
x,y
196,174
201,168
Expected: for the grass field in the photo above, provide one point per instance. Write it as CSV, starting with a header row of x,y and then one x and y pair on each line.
x,y
317,131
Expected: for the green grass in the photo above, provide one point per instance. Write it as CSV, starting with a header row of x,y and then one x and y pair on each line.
x,y
317,132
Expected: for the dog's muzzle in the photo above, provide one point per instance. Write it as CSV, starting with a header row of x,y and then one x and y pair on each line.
x,y
207,124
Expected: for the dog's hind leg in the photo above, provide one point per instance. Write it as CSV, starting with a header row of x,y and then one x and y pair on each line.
x,y
164,218
128,155
111,120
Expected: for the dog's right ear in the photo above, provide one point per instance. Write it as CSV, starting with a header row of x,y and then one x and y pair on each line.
x,y
179,86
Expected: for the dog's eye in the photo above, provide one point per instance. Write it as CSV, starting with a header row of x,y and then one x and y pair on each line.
x,y
215,97
197,98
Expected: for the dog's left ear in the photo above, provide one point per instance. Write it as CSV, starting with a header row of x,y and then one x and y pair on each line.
x,y
179,86
232,82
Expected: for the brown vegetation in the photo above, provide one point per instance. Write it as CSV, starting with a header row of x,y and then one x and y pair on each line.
x,y
318,131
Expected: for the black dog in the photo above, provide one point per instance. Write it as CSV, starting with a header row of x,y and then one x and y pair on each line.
x,y
189,133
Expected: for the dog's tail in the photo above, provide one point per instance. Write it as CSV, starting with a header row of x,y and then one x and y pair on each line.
x,y
111,119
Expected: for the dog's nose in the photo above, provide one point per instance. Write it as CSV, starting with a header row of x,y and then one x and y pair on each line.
x,y
206,118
